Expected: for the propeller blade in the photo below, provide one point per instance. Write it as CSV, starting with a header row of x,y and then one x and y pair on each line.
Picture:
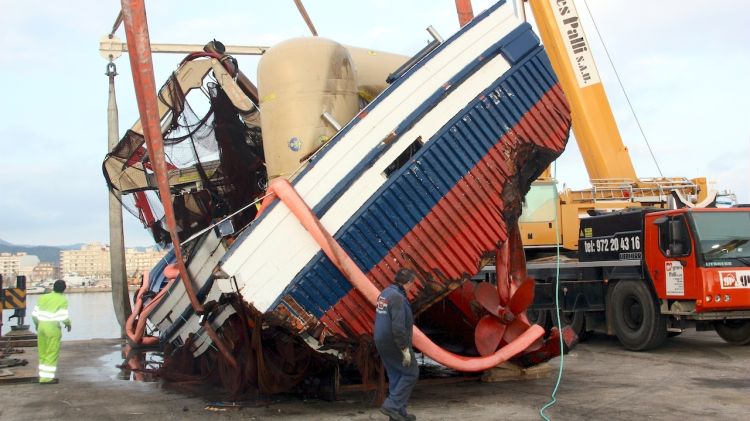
x,y
550,348
486,295
523,297
502,273
466,291
569,337
487,334
515,329
516,256
463,298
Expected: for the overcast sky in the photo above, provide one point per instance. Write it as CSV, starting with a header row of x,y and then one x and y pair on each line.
x,y
684,64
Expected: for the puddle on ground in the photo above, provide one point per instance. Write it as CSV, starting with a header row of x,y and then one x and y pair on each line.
x,y
123,363
135,364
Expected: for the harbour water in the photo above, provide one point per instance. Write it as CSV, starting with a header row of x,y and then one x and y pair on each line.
x,y
91,314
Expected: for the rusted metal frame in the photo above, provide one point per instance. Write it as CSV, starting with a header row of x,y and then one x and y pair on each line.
x,y
141,64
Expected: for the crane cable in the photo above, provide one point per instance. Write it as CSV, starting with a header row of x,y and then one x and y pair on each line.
x,y
553,395
116,24
306,17
632,110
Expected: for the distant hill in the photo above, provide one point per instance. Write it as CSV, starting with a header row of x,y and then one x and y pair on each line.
x,y
49,254
44,253
70,247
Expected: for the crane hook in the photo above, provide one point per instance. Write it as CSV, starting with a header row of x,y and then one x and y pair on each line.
x,y
111,69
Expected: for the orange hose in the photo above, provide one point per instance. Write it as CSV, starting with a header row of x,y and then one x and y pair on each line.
x,y
286,193
135,331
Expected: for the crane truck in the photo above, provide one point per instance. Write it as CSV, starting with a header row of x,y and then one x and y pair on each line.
x,y
644,274
641,258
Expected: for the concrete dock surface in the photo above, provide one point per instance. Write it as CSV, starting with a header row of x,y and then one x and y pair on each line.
x,y
695,375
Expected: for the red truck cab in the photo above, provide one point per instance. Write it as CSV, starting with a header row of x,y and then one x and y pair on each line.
x,y
699,263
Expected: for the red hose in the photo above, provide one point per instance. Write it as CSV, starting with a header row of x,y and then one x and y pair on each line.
x,y
286,193
136,331
465,12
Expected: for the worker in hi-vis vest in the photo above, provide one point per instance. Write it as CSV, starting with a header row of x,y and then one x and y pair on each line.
x,y
50,311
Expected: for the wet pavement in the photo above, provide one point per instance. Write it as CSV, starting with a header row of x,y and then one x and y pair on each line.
x,y
691,376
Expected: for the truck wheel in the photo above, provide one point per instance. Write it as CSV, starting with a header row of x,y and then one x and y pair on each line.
x,y
638,322
735,332
538,317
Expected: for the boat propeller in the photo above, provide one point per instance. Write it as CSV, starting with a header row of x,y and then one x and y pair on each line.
x,y
507,301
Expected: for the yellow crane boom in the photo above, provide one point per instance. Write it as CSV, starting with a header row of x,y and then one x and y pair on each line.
x,y
602,149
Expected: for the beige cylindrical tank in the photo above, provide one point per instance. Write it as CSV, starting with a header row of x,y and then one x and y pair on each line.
x,y
299,80
372,68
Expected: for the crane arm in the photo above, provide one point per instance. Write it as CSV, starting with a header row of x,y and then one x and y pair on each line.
x,y
603,151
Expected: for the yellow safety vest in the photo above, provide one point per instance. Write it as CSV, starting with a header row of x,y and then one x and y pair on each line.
x,y
52,307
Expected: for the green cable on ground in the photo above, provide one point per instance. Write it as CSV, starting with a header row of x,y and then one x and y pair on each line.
x,y
553,401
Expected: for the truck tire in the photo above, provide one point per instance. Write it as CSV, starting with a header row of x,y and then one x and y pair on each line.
x,y
735,332
638,322
539,317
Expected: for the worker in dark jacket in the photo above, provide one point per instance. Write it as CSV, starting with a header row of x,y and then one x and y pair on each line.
x,y
393,335
49,312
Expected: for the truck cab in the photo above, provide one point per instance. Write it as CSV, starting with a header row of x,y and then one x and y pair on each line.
x,y
644,274
699,263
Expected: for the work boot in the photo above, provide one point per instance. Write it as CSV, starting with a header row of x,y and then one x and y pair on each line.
x,y
393,415
408,417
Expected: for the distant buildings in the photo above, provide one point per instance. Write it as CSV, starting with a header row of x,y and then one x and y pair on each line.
x,y
15,264
91,261
46,270
138,262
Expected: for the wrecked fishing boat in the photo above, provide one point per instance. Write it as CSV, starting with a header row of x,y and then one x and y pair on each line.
x,y
376,162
